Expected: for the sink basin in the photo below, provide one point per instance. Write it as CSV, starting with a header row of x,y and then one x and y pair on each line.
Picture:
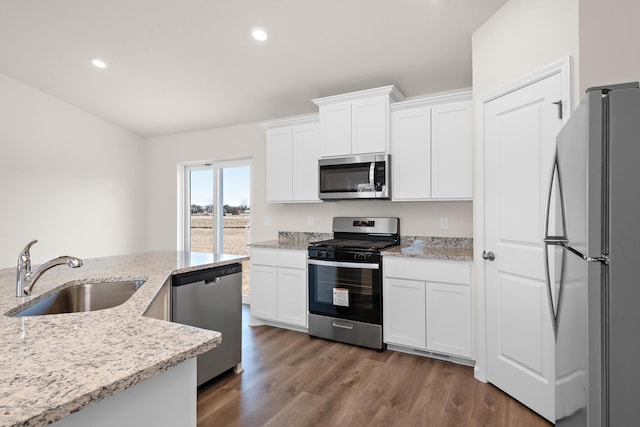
x,y
84,297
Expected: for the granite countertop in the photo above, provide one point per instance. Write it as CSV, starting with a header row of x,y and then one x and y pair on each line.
x,y
54,365
292,240
445,248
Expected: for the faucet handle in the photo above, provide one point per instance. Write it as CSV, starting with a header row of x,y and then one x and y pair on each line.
x,y
24,258
25,251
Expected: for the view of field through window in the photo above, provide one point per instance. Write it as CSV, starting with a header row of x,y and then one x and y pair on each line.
x,y
236,218
236,229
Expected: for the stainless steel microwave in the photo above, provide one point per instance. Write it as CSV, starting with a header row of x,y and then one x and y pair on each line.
x,y
356,177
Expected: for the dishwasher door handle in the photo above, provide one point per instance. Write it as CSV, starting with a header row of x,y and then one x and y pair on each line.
x,y
212,281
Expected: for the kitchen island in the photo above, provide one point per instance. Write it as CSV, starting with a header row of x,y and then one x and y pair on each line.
x,y
54,366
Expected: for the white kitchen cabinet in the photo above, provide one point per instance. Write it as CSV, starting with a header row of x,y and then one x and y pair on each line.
x,y
306,152
431,148
357,122
404,312
292,296
411,154
264,291
451,160
370,121
279,287
427,305
449,318
292,159
335,129
279,165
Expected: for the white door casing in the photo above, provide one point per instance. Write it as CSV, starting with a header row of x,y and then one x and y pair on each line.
x,y
519,130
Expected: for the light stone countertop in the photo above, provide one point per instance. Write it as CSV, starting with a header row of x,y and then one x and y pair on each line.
x,y
54,365
292,240
442,248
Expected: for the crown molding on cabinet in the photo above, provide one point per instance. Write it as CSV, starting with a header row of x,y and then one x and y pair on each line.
x,y
290,121
391,91
432,100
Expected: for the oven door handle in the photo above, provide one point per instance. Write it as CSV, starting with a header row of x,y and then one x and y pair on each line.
x,y
340,264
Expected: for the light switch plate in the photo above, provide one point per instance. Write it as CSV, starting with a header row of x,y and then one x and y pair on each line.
x,y
267,220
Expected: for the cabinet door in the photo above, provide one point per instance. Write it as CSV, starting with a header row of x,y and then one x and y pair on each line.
x,y
292,296
404,312
451,163
449,319
279,165
306,151
370,131
411,154
335,129
264,292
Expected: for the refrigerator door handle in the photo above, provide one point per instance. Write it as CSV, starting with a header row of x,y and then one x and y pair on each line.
x,y
555,239
552,311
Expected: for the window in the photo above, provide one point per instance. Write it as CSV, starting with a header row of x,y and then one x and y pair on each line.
x,y
215,209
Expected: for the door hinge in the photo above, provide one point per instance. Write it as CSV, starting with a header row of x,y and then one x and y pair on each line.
x,y
559,104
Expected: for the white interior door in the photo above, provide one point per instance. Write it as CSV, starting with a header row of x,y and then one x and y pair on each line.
x,y
520,130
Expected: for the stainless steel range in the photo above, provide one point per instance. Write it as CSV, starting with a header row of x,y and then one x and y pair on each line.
x,y
345,280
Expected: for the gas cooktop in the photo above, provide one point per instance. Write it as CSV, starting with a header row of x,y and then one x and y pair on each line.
x,y
353,244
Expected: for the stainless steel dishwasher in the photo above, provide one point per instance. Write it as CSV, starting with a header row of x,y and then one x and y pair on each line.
x,y
212,299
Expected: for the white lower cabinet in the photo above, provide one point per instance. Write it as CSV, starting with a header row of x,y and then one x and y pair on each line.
x,y
404,312
427,305
279,286
292,296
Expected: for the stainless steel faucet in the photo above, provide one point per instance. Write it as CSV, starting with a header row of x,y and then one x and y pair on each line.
x,y
27,278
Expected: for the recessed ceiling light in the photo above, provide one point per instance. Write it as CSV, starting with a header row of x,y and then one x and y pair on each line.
x,y
98,63
259,34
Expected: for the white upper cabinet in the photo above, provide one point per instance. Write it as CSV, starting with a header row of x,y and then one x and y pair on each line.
x,y
411,155
306,151
431,148
357,122
279,165
292,160
370,121
451,164
335,133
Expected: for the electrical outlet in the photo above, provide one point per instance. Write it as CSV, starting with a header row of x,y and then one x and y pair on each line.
x,y
267,220
444,223
309,220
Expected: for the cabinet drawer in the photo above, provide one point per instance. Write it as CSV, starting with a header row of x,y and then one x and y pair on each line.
x,y
456,272
279,257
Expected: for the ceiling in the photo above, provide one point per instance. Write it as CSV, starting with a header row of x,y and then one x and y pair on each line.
x,y
185,65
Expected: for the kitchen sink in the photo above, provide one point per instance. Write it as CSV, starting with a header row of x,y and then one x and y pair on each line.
x,y
83,297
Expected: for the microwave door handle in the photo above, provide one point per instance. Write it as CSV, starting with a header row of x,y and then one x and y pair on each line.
x,y
372,170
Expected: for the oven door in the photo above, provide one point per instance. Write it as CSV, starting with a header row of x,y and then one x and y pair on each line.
x,y
347,290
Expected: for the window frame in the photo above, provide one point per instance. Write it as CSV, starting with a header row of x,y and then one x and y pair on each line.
x,y
184,199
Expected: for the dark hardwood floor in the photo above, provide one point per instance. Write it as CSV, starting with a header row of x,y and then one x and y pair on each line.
x,y
292,380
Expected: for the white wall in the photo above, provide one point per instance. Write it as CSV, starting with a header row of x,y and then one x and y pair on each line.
x,y
67,178
244,141
522,37
609,36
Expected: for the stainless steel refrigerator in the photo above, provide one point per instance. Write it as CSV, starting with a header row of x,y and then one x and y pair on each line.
x,y
592,255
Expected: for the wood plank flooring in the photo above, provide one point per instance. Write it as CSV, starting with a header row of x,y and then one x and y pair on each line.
x,y
293,380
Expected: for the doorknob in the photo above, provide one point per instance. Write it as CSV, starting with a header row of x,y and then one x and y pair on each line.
x,y
488,255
